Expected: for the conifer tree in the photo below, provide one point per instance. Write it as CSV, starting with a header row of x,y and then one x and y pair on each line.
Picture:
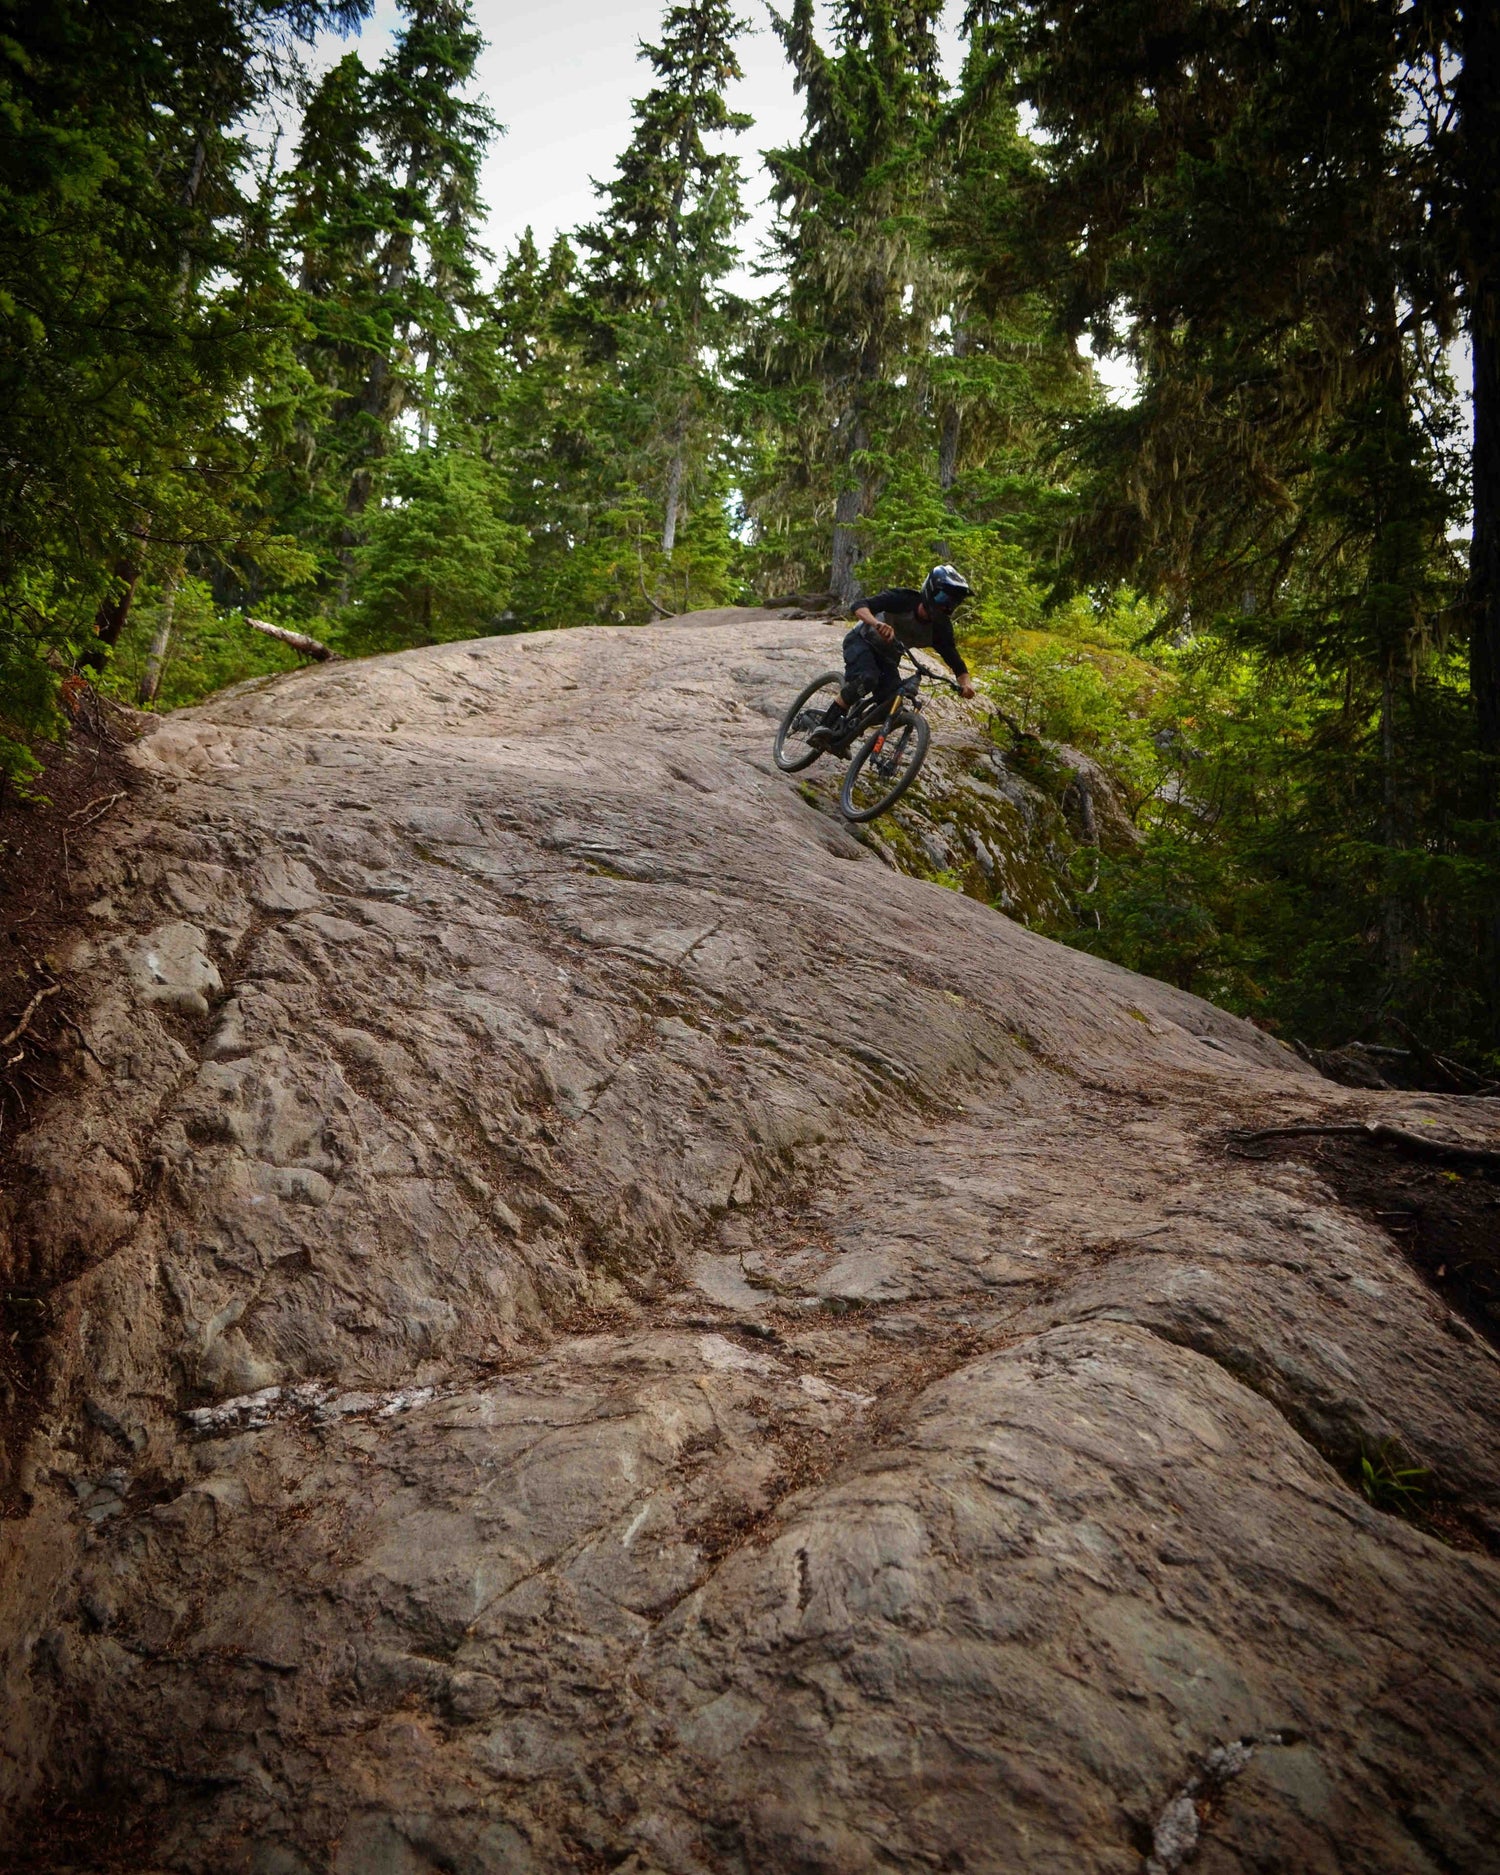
x,y
1276,211
1282,212
1004,379
841,362
132,314
531,393
664,243
384,205
433,139
336,204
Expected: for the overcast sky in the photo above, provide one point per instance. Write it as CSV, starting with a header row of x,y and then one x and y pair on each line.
x,y
562,77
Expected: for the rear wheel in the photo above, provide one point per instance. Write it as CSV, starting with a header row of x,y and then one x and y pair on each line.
x,y
790,750
885,766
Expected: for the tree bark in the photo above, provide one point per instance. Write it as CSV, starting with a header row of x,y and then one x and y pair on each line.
x,y
674,497
1390,830
299,641
384,395
847,511
855,501
1484,553
161,643
190,190
953,420
845,546
679,195
1479,104
110,619
948,443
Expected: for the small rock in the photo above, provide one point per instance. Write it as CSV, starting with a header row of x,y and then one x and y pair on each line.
x,y
1175,1837
171,966
472,1696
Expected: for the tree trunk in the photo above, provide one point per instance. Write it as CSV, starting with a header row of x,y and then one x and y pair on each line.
x,y
110,619
190,190
161,643
429,397
383,395
679,194
1484,560
953,420
1390,833
674,497
948,443
845,546
1479,103
847,512
299,641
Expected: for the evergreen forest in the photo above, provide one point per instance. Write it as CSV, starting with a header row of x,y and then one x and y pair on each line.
x,y
255,361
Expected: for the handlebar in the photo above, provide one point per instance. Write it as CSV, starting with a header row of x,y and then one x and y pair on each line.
x,y
937,677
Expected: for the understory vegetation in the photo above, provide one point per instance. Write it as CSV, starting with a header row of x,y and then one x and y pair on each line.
x,y
256,362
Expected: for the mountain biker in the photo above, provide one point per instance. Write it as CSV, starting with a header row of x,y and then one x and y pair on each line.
x,y
899,616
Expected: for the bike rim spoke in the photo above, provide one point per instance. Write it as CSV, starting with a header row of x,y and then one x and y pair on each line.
x,y
795,744
888,763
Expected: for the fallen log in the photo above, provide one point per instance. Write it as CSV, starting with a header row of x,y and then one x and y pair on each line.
x,y
299,641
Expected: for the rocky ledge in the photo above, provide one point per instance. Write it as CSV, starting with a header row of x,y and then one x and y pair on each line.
x,y
594,1324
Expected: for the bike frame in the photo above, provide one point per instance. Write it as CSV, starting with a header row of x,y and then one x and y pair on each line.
x,y
906,692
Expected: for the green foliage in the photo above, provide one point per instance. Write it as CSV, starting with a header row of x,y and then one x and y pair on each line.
x,y
1389,1483
381,212
1235,207
1261,212
134,308
1053,686
898,411
836,367
439,558
209,648
1287,870
653,304
1240,593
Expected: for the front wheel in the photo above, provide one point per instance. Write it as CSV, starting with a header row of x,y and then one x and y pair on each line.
x,y
886,765
790,750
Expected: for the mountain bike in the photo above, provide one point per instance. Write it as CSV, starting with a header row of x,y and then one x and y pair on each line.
x,y
889,759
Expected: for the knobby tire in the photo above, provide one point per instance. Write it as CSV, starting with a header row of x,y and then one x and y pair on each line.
x,y
906,721
791,765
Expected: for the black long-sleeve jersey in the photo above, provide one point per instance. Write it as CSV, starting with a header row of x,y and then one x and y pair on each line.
x,y
897,607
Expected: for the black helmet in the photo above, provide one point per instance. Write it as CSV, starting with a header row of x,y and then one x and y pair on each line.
x,y
945,587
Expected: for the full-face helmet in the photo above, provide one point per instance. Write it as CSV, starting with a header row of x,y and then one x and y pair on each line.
x,y
945,587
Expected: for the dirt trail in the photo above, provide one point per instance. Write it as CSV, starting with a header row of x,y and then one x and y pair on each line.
x,y
598,1327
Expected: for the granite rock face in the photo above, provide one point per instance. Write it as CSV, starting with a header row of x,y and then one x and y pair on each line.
x,y
598,1326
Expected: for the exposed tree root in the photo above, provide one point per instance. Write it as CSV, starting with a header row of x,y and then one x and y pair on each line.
x,y
1378,1133
27,1013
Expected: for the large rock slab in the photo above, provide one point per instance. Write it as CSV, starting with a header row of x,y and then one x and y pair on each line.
x,y
597,1325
